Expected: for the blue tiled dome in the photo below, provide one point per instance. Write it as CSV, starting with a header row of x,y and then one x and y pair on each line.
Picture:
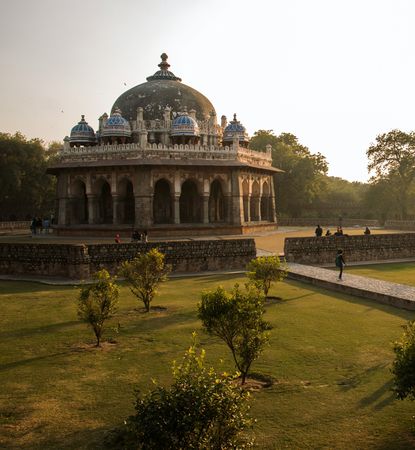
x,y
82,133
116,126
235,128
184,125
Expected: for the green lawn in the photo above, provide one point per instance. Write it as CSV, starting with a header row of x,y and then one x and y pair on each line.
x,y
403,273
329,354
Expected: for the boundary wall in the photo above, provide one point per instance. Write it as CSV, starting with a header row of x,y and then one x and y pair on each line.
x,y
375,247
80,261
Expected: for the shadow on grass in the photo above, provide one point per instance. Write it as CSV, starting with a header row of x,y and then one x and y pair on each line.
x,y
8,287
27,332
370,304
380,398
23,362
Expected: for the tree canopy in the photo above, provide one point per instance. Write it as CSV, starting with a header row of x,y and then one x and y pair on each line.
x,y
304,173
392,158
25,189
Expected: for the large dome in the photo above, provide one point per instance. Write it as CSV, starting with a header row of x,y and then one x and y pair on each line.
x,y
163,89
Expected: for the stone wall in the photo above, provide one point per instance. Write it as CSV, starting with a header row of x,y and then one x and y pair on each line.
x,y
79,261
316,251
400,224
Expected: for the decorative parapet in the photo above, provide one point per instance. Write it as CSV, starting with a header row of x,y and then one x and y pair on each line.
x,y
160,151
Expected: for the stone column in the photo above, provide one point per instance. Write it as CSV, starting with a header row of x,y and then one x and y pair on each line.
x,y
236,209
92,206
176,208
205,208
272,206
249,208
115,209
258,202
62,211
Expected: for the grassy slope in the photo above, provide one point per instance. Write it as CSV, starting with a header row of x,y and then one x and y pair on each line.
x,y
330,354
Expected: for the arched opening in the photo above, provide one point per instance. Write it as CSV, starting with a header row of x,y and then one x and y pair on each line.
x,y
216,203
79,203
254,207
189,203
162,202
126,202
104,202
265,202
245,199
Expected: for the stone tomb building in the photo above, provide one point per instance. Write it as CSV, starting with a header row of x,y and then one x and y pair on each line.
x,y
162,163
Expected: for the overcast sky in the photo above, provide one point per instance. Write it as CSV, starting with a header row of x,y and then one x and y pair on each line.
x,y
334,73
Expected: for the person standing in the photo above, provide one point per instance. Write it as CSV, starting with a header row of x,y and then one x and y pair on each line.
x,y
318,231
340,263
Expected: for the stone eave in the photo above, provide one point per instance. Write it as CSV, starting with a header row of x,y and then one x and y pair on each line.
x,y
56,168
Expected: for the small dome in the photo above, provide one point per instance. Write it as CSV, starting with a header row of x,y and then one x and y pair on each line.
x,y
116,126
82,133
235,128
184,125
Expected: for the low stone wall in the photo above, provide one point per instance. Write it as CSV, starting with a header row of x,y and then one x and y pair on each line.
x,y
375,247
400,224
16,225
326,222
80,261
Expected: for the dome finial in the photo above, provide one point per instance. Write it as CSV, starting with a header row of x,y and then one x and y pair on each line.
x,y
234,117
164,65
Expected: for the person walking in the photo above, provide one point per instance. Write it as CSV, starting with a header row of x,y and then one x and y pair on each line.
x,y
340,263
318,231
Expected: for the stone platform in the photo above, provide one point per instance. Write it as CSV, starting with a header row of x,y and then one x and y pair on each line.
x,y
398,295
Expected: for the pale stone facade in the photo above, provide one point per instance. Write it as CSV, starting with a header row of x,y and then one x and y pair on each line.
x,y
170,175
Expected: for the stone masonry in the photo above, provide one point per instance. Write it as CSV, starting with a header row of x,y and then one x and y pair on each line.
x,y
322,250
80,261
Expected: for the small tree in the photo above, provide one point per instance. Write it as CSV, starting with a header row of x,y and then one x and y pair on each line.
x,y
144,274
403,367
236,318
98,302
266,269
200,410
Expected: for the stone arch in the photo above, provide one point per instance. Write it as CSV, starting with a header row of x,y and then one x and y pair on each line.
x,y
79,210
102,189
217,205
126,201
265,201
245,199
190,203
254,206
162,202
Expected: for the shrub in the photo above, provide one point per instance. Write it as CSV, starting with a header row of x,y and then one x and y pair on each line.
x,y
403,367
144,274
200,410
236,318
98,302
266,269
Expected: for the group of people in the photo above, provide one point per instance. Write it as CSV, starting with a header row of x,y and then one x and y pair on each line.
x,y
339,232
40,226
136,236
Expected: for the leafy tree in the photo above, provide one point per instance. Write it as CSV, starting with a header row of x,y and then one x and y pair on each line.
x,y
403,367
200,410
98,302
303,178
25,189
392,157
236,318
144,274
266,269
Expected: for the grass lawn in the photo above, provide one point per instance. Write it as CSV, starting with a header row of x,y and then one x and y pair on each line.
x,y
403,273
329,354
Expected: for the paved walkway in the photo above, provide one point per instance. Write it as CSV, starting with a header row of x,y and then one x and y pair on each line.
x,y
399,295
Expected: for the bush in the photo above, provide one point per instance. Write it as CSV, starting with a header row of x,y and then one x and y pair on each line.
x,y
98,302
144,274
200,410
403,367
236,318
266,269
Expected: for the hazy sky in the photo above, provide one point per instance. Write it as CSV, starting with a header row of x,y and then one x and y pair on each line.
x,y
335,73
